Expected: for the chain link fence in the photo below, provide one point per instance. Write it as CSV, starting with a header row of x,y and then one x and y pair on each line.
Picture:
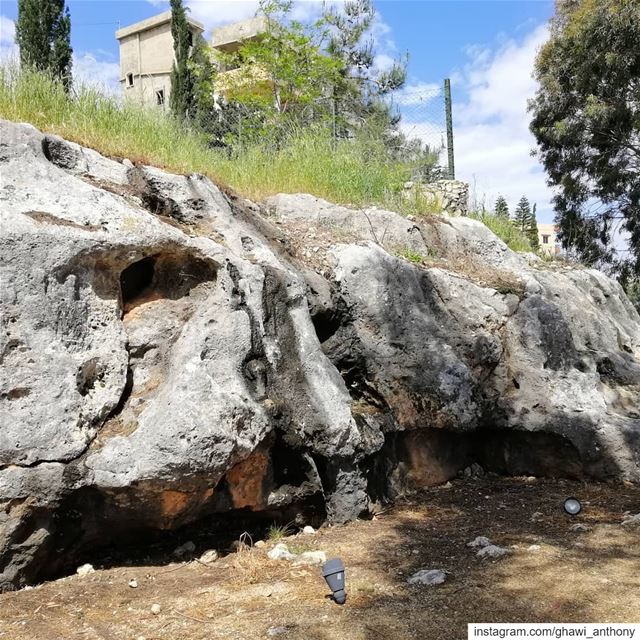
x,y
421,134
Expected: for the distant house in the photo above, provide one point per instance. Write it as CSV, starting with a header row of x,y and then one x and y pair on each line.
x,y
146,53
548,239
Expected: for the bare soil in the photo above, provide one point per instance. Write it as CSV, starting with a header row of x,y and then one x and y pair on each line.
x,y
567,576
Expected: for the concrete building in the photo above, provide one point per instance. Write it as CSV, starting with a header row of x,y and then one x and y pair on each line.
x,y
548,239
146,59
146,53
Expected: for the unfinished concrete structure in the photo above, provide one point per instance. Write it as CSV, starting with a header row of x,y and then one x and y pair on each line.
x,y
146,58
146,53
229,37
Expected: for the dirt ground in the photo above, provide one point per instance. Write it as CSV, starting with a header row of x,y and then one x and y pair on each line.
x,y
567,576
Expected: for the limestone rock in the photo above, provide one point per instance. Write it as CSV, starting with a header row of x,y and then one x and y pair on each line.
x,y
209,556
170,352
479,543
492,551
281,552
85,570
428,577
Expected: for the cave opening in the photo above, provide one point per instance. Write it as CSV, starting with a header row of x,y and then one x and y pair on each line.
x,y
136,280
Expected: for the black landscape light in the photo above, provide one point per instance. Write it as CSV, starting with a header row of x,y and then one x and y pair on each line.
x,y
333,573
572,506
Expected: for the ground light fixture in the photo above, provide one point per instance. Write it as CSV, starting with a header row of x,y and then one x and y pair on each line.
x,y
572,506
333,573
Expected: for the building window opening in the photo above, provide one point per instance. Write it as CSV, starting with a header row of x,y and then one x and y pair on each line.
x,y
129,79
545,239
160,97
190,38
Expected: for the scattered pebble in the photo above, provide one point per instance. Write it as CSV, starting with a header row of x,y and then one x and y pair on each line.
x,y
534,547
631,520
133,584
85,570
259,544
308,530
536,516
209,556
428,577
156,609
184,549
276,631
492,551
579,527
479,542
281,552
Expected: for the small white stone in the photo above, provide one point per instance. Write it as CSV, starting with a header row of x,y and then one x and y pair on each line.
x,y
133,584
156,609
281,552
259,544
209,556
492,551
308,530
428,577
579,527
276,631
85,570
536,516
479,542
534,547
630,520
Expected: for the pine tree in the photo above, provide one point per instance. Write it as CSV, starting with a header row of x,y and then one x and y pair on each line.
x,y
43,33
522,215
532,230
181,76
501,208
358,91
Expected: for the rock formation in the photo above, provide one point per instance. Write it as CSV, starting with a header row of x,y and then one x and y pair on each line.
x,y
171,352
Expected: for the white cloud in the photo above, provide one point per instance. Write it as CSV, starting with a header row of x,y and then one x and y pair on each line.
x,y
91,70
492,139
8,47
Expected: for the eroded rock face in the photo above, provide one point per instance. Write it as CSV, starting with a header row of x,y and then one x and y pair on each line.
x,y
170,352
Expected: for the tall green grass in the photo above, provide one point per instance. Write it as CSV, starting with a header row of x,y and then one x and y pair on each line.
x,y
356,172
504,229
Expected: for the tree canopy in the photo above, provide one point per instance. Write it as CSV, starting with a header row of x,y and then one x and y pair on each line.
x,y
43,34
586,120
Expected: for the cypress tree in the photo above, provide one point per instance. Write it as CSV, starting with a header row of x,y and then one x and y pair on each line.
x,y
532,231
181,76
502,208
43,33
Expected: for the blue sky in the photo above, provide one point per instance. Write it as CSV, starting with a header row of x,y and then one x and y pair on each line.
x,y
486,47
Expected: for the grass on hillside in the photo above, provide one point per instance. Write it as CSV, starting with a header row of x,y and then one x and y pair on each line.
x,y
349,172
504,229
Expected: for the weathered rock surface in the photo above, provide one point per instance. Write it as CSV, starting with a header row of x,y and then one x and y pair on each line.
x,y
170,352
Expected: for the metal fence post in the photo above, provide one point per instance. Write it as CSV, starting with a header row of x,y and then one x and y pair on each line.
x,y
447,106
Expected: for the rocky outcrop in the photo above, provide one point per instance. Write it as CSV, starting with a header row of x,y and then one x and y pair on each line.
x,y
170,352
